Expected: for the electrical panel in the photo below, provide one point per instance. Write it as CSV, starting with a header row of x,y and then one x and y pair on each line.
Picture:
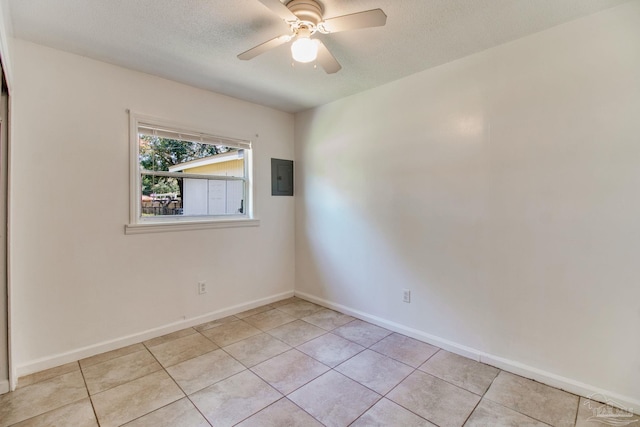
x,y
281,177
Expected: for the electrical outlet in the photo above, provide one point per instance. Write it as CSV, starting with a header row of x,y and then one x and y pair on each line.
x,y
202,288
406,295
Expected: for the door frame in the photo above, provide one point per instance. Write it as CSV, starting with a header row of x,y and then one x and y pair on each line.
x,y
7,382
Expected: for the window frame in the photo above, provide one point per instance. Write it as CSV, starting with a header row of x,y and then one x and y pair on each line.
x,y
138,224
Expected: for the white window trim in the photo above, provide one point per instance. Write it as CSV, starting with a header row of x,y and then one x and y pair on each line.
x,y
138,225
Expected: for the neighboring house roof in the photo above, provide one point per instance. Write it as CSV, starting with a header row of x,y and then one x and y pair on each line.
x,y
218,158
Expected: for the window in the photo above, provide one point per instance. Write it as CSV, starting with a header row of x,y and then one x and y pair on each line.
x,y
187,178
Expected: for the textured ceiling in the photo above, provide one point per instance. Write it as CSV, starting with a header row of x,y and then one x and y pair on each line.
x,y
196,41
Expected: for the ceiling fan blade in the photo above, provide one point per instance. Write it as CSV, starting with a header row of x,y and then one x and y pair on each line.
x,y
326,59
354,21
262,48
279,9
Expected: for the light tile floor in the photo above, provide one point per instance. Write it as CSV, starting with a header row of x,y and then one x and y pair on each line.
x,y
291,363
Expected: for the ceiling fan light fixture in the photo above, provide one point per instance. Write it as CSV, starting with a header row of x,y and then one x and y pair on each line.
x,y
304,49
306,18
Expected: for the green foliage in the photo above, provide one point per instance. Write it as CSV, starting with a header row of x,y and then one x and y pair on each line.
x,y
158,154
159,185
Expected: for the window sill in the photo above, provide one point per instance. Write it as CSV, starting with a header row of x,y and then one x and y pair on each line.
x,y
162,227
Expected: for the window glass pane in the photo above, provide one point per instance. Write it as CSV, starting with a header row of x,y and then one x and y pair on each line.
x,y
193,197
196,203
213,197
172,195
225,197
161,196
181,135
230,163
235,197
164,154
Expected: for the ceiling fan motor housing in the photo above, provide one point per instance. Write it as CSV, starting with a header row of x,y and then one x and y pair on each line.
x,y
308,11
305,18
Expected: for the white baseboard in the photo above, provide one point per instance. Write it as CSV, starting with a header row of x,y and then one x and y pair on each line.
x,y
4,386
572,386
91,350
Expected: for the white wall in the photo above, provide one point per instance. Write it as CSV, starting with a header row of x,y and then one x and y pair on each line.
x,y
80,285
502,190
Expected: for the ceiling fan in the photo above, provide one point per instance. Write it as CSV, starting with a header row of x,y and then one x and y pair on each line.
x,y
304,18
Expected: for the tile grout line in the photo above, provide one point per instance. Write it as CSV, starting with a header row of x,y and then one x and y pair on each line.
x,y
434,376
93,408
249,367
472,411
518,412
404,363
358,353
262,409
452,384
132,379
382,396
302,409
285,396
366,410
214,325
414,369
178,385
66,404
297,388
162,368
394,387
575,420
500,404
49,411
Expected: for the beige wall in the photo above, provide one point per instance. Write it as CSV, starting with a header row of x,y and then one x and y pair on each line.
x,y
80,285
502,190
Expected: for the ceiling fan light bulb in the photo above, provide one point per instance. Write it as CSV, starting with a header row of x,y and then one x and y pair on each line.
x,y
304,49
